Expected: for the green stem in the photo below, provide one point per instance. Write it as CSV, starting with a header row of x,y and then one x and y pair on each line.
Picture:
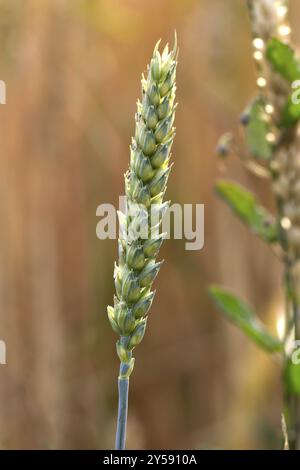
x,y
296,398
292,401
123,386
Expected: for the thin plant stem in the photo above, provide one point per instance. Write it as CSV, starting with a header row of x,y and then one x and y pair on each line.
x,y
292,402
123,387
296,399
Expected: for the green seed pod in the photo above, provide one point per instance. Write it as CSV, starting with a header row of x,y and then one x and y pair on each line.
x,y
155,66
140,193
120,310
130,287
153,94
168,59
152,246
163,129
158,199
135,257
140,130
135,156
145,104
159,181
124,318
118,281
150,117
141,308
166,86
163,108
128,323
134,184
144,168
137,335
161,155
123,353
147,142
149,273
121,253
143,196
110,314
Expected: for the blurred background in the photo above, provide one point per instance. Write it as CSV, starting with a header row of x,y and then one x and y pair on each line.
x,y
72,70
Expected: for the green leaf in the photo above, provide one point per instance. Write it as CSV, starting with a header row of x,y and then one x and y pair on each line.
x,y
290,114
245,206
257,129
283,59
292,377
242,316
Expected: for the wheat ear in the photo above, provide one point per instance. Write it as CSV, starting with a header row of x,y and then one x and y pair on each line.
x,y
140,240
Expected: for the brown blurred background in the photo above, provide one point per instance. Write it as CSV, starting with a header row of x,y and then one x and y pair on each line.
x,y
72,70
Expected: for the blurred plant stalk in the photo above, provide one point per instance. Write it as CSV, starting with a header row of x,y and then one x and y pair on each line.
x,y
272,135
269,21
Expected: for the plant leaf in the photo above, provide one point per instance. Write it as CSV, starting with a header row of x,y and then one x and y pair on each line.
x,y
245,206
283,59
242,316
257,129
290,114
292,377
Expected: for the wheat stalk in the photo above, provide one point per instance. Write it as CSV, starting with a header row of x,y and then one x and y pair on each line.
x,y
140,240
273,138
269,20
